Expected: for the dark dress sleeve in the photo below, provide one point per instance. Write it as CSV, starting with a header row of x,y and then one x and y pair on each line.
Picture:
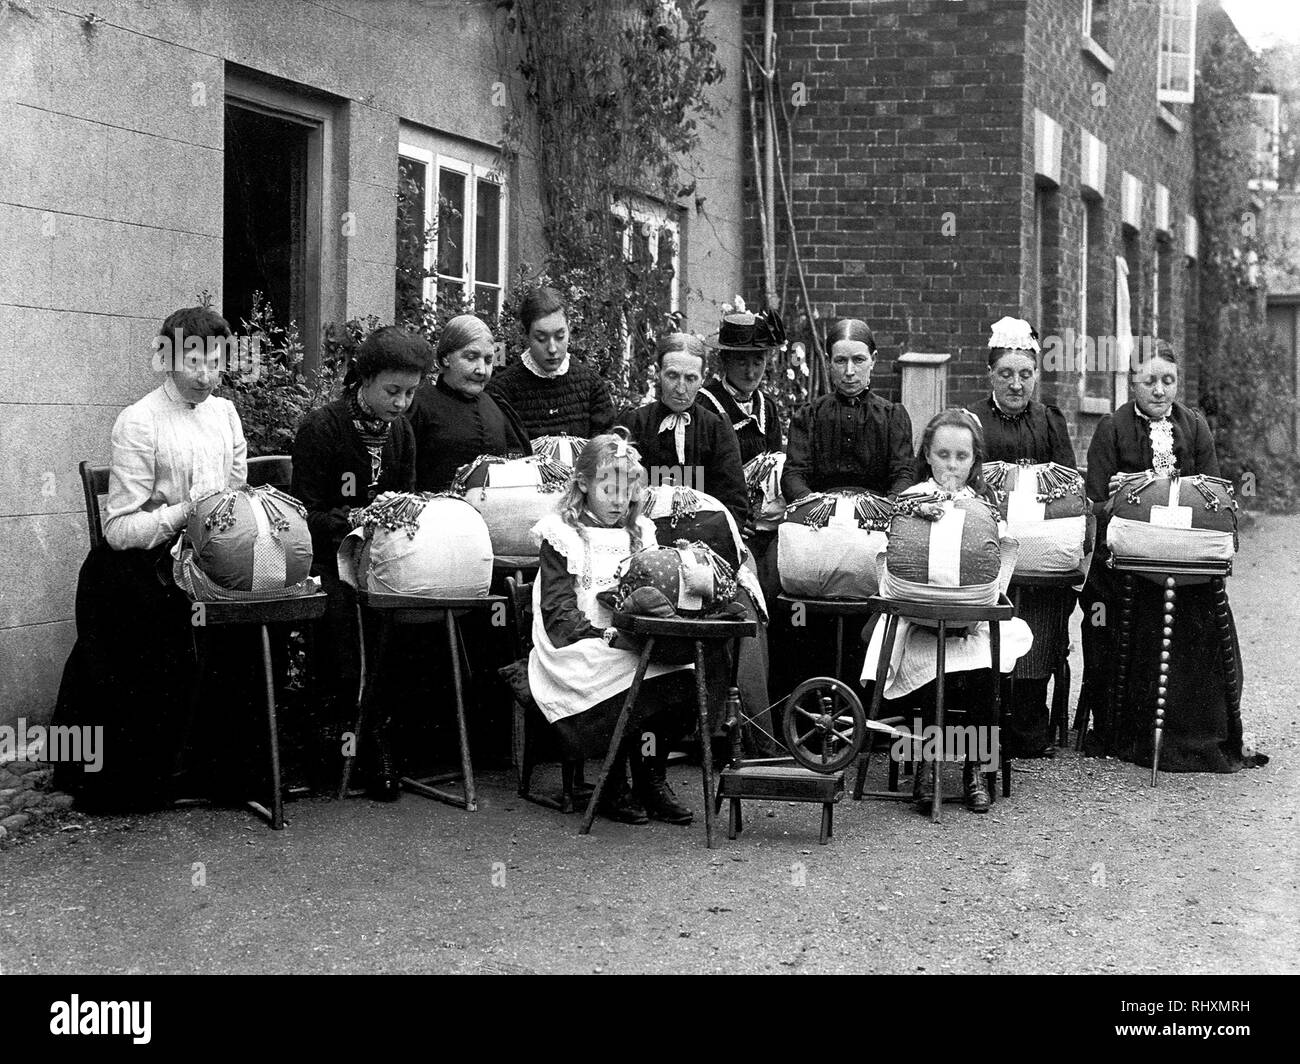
x,y
517,439
902,462
403,477
600,414
565,623
727,477
798,455
317,480
773,441
1103,459
1058,435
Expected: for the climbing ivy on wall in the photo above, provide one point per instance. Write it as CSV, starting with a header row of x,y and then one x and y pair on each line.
x,y
1245,388
613,95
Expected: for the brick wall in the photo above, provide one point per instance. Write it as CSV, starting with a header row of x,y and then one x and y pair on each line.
x,y
1121,109
906,175
921,113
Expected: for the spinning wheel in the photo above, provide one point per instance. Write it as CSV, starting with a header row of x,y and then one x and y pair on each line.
x,y
824,724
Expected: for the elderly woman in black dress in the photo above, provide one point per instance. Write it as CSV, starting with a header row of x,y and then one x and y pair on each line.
x,y
455,420
131,667
1017,427
1154,431
552,392
347,454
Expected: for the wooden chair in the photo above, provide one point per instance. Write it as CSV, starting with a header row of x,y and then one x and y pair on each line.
x,y
948,618
274,470
529,724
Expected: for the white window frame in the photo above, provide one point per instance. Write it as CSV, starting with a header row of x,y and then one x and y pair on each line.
x,y
435,162
1172,11
658,218
1123,329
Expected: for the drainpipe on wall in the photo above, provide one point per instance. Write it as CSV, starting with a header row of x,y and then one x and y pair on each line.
x,y
769,164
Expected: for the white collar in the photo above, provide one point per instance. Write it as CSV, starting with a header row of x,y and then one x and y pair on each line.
x,y
537,371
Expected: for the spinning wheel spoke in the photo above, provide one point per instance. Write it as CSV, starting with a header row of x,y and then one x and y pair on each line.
x,y
840,724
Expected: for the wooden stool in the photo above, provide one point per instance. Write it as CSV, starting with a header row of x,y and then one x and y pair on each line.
x,y
1058,720
699,632
765,779
390,610
944,615
260,612
1170,575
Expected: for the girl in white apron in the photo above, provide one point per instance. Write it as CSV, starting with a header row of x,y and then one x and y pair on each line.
x,y
580,669
953,448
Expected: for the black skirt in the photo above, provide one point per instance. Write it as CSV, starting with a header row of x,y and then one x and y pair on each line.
x,y
129,673
1200,734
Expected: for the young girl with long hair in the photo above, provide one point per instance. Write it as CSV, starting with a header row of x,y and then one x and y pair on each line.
x,y
579,671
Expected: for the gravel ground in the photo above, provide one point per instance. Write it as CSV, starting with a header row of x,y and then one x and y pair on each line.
x,y
1086,869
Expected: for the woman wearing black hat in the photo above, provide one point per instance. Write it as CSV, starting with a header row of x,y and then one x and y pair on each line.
x,y
745,341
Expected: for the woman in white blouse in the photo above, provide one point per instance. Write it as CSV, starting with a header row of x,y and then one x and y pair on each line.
x,y
130,669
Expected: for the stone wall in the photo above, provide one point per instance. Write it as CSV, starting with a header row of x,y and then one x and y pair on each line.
x,y
111,202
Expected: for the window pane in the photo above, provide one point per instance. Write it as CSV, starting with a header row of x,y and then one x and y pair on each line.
x,y
411,177
487,233
450,293
451,223
487,302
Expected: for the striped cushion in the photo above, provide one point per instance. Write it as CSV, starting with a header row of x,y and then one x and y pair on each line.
x,y
1173,519
251,539
960,549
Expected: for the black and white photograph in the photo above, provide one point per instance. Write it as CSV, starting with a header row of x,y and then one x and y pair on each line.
x,y
651,487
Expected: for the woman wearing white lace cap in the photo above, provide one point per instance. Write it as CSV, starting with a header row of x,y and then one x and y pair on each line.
x,y
1019,428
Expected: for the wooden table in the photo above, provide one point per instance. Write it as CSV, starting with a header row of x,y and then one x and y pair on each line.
x,y
699,632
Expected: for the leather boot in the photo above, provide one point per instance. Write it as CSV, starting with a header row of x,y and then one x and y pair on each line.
x,y
618,802
923,782
385,785
977,793
653,788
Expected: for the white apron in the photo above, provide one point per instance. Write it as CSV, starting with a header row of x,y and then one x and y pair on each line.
x,y
567,680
